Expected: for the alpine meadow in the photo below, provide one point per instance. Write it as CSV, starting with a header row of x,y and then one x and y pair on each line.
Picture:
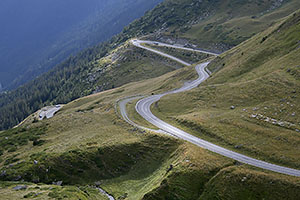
x,y
150,100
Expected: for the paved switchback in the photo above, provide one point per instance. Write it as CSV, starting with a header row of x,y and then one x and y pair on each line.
x,y
143,108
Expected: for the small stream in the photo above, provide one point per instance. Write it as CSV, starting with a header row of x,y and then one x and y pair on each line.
x,y
105,193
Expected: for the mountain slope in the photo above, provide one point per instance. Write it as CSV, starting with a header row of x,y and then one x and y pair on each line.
x,y
216,25
92,71
89,145
250,102
34,39
65,82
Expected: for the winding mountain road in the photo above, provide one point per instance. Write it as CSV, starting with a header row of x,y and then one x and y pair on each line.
x,y
138,43
143,108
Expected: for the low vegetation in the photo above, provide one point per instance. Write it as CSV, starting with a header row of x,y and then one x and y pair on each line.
x,y
250,102
242,183
216,25
12,139
90,72
10,191
87,144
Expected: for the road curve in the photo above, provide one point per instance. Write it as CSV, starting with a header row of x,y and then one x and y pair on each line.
x,y
143,108
172,46
138,43
122,107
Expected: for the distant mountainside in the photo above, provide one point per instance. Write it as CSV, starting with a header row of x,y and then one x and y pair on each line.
x,y
90,71
37,35
254,90
249,105
217,25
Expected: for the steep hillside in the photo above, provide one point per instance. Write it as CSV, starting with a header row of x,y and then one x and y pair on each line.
x,y
216,25
250,104
68,80
37,35
87,145
92,71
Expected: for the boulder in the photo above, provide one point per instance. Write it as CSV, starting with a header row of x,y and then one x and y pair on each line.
x,y
20,187
59,183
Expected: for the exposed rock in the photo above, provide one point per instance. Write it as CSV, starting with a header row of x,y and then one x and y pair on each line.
x,y
232,107
17,178
273,121
237,163
20,187
3,173
59,183
36,180
238,146
97,183
37,194
170,168
293,114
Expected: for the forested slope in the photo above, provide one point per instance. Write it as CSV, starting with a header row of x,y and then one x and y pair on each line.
x,y
37,35
67,81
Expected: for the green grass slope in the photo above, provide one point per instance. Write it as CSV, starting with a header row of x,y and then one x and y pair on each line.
x,y
234,182
92,71
216,25
87,143
250,104
43,192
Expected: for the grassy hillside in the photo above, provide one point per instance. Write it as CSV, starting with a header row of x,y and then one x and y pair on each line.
x,y
250,104
187,22
92,71
43,191
216,25
87,144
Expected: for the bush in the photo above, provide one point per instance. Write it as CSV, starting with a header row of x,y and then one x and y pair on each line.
x,y
38,142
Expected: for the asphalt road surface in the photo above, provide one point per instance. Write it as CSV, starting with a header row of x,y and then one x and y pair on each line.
x,y
172,46
143,108
122,107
